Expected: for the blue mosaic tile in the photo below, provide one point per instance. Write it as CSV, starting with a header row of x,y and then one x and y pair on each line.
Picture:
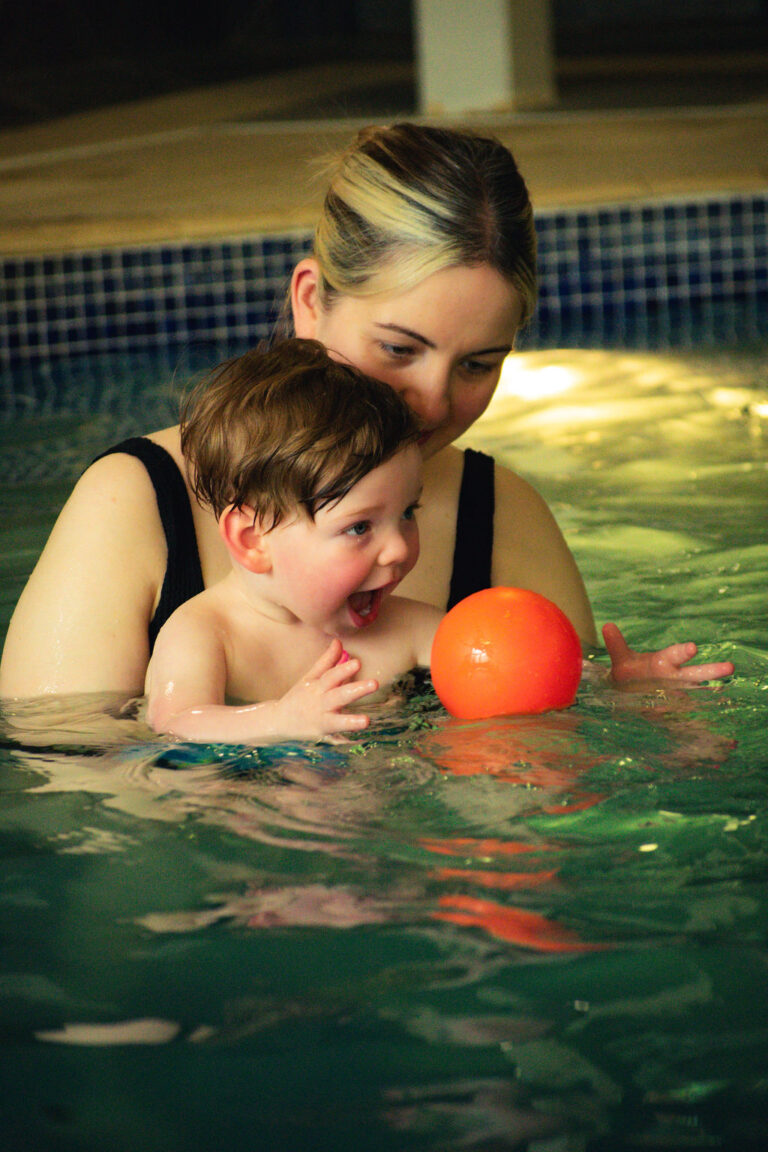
x,y
607,274
614,268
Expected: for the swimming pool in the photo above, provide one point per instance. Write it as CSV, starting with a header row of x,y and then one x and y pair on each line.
x,y
543,933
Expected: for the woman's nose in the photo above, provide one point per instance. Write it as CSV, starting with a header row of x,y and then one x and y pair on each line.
x,y
429,399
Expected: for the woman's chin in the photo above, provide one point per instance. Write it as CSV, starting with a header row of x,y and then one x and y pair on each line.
x,y
433,442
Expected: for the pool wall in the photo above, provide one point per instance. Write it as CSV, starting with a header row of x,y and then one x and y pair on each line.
x,y
640,272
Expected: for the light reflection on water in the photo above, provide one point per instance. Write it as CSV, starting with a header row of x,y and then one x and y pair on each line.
x,y
528,932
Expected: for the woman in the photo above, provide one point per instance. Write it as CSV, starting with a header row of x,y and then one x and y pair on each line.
x,y
423,271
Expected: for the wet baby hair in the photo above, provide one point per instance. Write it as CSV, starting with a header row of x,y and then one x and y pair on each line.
x,y
285,426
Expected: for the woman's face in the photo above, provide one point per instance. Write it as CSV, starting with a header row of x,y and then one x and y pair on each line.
x,y
439,344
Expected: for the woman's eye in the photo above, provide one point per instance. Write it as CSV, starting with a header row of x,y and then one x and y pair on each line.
x,y
358,529
398,351
479,367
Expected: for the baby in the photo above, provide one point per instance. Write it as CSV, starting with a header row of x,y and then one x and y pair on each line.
x,y
314,474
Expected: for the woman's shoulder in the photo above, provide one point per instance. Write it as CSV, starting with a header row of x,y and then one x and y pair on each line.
x,y
445,466
130,463
511,487
132,478
447,473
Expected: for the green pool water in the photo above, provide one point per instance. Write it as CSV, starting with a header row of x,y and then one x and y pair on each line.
x,y
542,933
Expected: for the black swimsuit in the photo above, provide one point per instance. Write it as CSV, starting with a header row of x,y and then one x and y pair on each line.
x,y
183,574
473,551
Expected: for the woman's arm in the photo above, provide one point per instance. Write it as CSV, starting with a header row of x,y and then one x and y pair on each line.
x,y
529,551
81,622
670,663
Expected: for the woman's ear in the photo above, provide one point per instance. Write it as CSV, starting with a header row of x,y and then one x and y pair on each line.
x,y
305,298
245,539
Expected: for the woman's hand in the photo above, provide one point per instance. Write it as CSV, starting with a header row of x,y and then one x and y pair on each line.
x,y
668,664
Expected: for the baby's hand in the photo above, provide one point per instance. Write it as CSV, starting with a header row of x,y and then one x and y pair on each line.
x,y
313,706
667,664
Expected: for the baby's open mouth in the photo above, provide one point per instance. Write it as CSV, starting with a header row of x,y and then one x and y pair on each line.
x,y
364,606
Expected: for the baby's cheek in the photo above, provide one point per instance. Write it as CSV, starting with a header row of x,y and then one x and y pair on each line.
x,y
336,581
414,549
309,579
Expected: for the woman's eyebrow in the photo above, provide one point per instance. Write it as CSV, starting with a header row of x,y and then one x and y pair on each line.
x,y
407,332
505,348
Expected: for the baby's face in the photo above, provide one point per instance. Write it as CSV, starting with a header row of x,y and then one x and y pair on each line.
x,y
335,571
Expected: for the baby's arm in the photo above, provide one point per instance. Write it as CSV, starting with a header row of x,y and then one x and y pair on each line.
x,y
668,664
186,690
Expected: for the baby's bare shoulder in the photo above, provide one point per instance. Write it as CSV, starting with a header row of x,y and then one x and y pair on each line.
x,y
406,609
414,623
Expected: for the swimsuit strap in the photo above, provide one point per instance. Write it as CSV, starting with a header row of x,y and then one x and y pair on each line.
x,y
183,573
473,550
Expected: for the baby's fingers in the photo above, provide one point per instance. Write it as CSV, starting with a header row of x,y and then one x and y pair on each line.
x,y
698,673
327,661
346,694
339,674
346,722
339,698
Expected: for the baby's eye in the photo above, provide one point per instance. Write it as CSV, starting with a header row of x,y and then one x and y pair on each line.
x,y
410,512
358,529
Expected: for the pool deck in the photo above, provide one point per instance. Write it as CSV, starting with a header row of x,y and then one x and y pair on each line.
x,y
239,158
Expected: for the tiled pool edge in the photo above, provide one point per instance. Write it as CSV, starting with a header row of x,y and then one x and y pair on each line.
x,y
602,269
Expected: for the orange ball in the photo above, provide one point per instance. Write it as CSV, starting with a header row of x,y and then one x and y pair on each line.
x,y
505,651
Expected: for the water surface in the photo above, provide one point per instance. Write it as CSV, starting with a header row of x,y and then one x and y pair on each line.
x,y
544,933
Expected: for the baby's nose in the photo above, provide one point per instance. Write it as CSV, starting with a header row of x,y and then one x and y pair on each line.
x,y
394,549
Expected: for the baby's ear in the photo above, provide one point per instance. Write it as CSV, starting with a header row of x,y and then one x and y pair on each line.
x,y
245,538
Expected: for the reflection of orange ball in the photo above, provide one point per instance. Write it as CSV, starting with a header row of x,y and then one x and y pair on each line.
x,y
505,651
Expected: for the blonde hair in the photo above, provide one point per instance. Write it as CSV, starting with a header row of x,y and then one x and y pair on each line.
x,y
285,427
408,200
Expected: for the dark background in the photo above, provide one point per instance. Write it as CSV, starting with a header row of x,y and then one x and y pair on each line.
x,y
57,57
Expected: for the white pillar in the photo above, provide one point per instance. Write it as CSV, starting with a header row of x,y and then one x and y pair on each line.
x,y
483,55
